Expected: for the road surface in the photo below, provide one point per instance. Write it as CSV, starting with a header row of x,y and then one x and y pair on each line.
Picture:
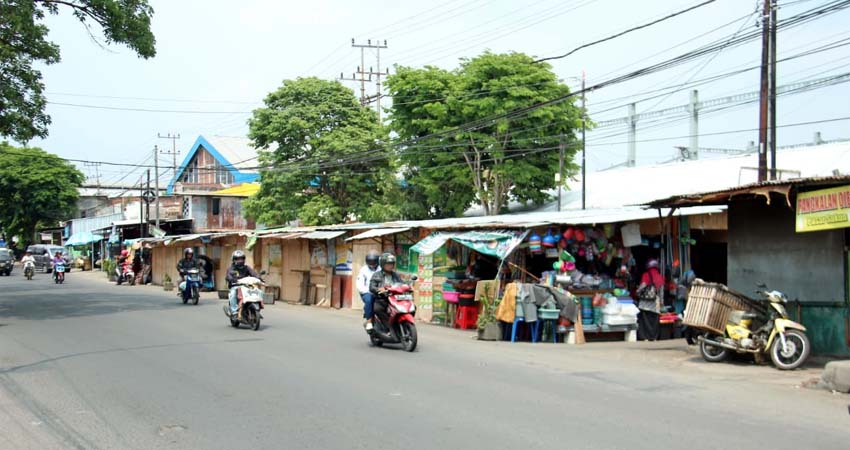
x,y
92,365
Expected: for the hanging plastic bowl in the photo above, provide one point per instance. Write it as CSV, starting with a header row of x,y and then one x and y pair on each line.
x,y
549,241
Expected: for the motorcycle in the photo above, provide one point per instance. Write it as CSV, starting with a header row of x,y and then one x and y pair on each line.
x,y
758,333
250,294
29,270
192,289
59,273
125,274
401,327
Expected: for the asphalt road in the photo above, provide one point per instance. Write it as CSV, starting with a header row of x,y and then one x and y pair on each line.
x,y
92,365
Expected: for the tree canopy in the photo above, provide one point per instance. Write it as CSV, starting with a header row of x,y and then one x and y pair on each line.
x,y
320,157
36,189
23,43
514,157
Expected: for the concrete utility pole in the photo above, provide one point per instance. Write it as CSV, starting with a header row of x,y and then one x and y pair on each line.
x,y
156,181
694,110
561,148
174,152
366,75
764,91
631,157
583,142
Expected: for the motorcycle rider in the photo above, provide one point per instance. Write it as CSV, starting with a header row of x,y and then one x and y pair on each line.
x,y
28,259
184,265
57,259
364,278
387,276
238,270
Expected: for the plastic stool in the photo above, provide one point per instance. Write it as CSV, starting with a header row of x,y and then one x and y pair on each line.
x,y
533,331
467,317
541,324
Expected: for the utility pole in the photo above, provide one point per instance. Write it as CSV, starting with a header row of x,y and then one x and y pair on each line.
x,y
174,152
631,158
583,146
763,95
148,204
142,206
156,181
366,75
694,110
561,148
772,94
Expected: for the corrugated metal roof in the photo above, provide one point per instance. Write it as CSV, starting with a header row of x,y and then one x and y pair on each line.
x,y
377,232
321,235
723,196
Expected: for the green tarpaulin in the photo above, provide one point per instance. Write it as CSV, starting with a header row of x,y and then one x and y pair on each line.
x,y
498,243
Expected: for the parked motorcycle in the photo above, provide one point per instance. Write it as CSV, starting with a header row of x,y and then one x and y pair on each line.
x,y
192,289
250,294
59,273
125,274
758,333
29,270
401,327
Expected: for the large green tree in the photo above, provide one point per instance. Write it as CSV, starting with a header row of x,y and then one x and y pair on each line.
x,y
451,165
322,157
24,43
36,189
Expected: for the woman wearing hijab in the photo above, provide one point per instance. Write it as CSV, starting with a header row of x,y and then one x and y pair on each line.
x,y
649,301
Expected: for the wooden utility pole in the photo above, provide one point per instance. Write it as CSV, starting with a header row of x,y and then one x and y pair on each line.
x,y
772,94
764,91
156,182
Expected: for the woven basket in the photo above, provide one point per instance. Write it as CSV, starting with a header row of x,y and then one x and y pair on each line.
x,y
710,304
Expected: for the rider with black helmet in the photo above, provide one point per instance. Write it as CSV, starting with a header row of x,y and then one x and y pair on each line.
x,y
184,265
364,278
238,270
387,276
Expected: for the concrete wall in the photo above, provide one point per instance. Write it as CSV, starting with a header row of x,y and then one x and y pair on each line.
x,y
764,247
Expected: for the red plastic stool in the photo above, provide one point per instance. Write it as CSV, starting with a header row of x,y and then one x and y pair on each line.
x,y
467,317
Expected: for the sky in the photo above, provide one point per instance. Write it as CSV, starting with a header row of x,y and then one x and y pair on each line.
x,y
217,59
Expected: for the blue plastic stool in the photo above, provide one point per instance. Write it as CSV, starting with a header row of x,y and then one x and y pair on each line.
x,y
541,324
534,330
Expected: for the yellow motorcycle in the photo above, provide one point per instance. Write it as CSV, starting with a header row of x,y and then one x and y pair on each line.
x,y
768,331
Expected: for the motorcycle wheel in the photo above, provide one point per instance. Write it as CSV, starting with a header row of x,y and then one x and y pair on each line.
x,y
408,336
195,296
375,341
797,354
256,325
184,297
712,353
234,323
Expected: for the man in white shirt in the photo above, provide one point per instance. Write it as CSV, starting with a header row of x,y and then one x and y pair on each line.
x,y
364,277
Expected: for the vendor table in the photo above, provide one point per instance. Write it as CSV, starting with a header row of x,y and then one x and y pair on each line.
x,y
629,332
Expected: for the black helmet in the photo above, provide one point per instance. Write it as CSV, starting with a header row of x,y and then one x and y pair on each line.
x,y
188,251
387,258
372,258
237,256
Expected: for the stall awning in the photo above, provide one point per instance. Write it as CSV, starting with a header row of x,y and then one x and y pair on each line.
x,y
322,235
378,232
83,238
498,243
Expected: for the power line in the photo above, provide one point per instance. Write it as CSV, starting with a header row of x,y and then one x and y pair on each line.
x,y
624,32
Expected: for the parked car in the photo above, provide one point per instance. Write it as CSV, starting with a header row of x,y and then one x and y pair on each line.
x,y
7,261
43,254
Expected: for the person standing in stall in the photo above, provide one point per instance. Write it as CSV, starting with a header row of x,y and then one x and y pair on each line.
x,y
649,301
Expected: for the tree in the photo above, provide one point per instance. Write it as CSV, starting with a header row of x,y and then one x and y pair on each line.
x,y
322,157
513,157
36,189
23,42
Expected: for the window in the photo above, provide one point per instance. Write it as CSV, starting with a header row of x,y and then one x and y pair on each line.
x,y
216,206
222,174
190,173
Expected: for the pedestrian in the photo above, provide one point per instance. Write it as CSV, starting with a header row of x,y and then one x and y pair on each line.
x,y
649,301
364,277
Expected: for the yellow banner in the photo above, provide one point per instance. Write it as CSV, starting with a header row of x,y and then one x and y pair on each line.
x,y
826,209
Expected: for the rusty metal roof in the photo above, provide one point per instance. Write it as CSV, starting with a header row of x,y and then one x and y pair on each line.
x,y
765,188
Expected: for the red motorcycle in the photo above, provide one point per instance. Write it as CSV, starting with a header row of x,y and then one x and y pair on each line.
x,y
401,328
